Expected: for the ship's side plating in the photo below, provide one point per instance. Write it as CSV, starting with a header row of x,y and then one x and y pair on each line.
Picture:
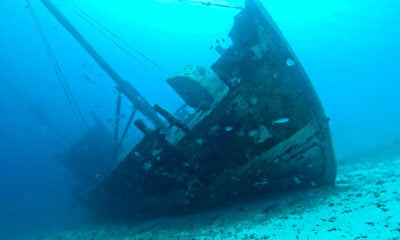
x,y
268,133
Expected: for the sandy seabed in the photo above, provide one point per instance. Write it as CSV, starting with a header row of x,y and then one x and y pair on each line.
x,y
364,204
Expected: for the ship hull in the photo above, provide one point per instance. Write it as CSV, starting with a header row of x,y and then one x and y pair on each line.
x,y
269,133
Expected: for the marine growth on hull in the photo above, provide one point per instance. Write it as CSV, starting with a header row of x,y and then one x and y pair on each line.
x,y
257,127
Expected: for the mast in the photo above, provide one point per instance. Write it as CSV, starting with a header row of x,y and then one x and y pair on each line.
x,y
122,85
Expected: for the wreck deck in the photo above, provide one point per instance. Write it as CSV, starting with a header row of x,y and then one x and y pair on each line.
x,y
237,148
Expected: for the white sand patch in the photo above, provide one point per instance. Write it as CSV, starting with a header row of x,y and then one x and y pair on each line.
x,y
365,204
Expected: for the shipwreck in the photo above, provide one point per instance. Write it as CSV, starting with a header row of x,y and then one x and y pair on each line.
x,y
258,128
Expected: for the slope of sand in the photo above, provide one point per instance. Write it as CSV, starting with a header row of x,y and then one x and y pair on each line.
x,y
364,204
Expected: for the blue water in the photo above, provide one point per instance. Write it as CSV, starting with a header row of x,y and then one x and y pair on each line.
x,y
349,48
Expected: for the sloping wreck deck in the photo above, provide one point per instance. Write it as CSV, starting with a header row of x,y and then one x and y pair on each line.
x,y
259,128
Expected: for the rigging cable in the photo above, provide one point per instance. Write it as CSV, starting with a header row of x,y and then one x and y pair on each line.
x,y
104,30
208,4
65,86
